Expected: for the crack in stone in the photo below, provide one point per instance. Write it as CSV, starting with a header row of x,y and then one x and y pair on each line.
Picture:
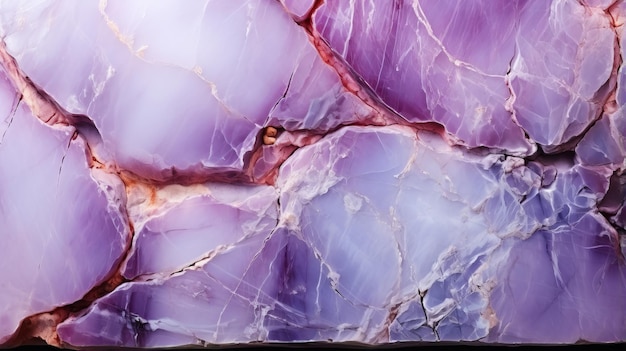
x,y
9,121
43,107
432,326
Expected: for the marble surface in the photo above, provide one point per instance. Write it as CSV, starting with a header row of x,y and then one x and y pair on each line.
x,y
230,172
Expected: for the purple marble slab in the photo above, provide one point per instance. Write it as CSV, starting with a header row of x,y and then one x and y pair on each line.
x,y
212,173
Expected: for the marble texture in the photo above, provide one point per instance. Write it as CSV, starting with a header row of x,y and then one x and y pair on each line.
x,y
63,225
232,172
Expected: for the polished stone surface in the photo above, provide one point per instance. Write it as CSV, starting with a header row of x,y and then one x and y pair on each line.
x,y
224,172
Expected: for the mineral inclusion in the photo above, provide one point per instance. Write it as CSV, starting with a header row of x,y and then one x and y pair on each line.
x,y
215,172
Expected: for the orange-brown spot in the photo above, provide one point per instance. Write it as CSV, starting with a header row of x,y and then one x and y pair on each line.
x,y
269,136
